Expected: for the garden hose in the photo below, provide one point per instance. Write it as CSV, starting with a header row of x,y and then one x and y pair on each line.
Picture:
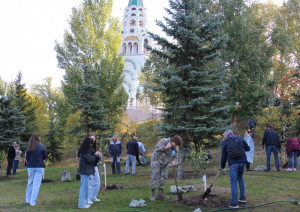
x,y
262,204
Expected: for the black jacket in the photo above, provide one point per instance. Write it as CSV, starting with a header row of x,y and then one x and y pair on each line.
x,y
36,158
86,163
132,147
11,153
271,138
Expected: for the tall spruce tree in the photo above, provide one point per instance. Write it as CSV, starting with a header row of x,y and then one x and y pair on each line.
x,y
12,122
191,86
23,102
93,116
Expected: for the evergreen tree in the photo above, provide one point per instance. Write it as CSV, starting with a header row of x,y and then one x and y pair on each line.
x,y
93,116
49,97
23,102
11,122
94,40
191,87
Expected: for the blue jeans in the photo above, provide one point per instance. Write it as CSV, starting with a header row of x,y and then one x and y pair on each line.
x,y
236,172
131,159
83,191
35,176
295,159
273,149
143,158
94,184
16,164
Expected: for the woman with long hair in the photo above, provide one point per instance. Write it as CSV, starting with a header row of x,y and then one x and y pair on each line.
x,y
94,182
35,156
86,169
249,154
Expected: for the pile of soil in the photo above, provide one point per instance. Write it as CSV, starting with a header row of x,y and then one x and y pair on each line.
x,y
212,201
111,186
3,178
47,181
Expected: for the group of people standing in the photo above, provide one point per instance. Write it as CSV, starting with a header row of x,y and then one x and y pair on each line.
x,y
13,158
238,164
134,148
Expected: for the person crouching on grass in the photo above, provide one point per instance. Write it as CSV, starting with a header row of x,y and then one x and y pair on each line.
x,y
165,151
86,168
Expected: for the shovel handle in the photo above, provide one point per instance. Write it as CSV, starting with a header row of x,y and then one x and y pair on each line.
x,y
219,172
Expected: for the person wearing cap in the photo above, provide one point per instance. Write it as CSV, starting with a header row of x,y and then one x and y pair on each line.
x,y
165,151
272,143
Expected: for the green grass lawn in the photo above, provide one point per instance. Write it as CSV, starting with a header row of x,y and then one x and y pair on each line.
x,y
261,187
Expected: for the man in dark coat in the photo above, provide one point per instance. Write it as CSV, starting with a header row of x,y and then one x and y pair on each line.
x,y
10,157
272,142
132,151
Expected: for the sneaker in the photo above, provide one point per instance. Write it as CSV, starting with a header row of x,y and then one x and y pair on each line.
x,y
90,202
96,199
233,205
289,169
294,169
242,200
86,206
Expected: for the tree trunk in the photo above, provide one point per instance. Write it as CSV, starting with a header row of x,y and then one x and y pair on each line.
x,y
181,160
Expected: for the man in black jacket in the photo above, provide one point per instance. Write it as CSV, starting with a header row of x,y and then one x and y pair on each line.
x,y
132,151
272,142
10,157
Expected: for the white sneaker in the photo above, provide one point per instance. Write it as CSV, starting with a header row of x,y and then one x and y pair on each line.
x,y
294,169
96,199
86,206
90,202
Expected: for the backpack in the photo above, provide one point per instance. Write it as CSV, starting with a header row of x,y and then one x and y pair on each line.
x,y
234,148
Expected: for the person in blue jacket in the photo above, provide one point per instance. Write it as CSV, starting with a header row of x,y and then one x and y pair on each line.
x,y
35,156
236,167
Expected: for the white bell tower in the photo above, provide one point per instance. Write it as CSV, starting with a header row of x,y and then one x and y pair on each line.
x,y
134,41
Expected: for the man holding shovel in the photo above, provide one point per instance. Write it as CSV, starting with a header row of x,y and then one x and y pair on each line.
x,y
233,150
166,150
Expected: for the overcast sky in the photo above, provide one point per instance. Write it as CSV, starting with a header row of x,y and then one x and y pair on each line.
x,y
29,29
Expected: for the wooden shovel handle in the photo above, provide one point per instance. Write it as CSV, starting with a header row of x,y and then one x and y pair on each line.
x,y
219,172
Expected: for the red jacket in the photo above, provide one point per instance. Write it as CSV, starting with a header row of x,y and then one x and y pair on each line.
x,y
292,145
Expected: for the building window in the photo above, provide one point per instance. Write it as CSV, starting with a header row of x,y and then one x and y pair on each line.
x,y
141,23
133,14
132,22
132,30
146,43
133,8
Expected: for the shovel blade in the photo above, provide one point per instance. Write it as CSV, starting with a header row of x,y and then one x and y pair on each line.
x,y
206,193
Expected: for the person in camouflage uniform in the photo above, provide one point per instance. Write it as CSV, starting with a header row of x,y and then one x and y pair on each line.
x,y
166,150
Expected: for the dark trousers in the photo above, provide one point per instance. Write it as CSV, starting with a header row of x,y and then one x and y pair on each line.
x,y
16,164
138,158
115,161
10,163
247,166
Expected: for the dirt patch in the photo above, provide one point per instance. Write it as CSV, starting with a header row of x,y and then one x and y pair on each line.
x,y
47,181
212,200
111,187
4,178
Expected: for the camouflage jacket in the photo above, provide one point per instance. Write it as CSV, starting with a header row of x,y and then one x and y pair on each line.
x,y
164,156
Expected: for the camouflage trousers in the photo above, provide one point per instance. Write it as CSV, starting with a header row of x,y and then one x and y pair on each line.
x,y
159,174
